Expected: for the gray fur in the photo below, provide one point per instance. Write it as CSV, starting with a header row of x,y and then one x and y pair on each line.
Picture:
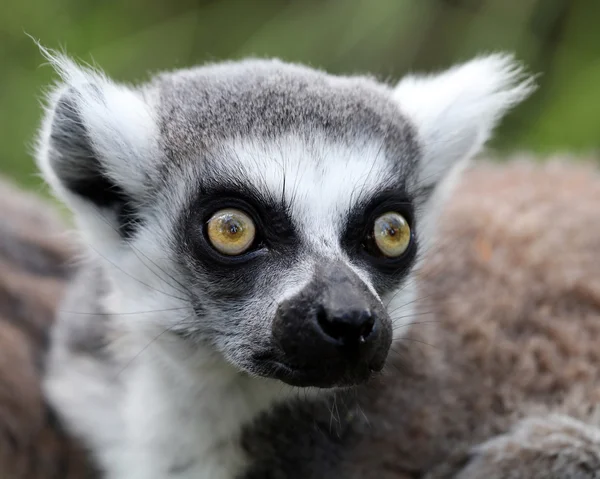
x,y
203,106
85,322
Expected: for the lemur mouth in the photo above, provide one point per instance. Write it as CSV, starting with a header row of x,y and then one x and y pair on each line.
x,y
322,376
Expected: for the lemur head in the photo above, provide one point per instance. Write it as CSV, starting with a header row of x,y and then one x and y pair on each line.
x,y
268,212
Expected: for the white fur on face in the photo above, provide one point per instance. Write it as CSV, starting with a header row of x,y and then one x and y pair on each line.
x,y
320,179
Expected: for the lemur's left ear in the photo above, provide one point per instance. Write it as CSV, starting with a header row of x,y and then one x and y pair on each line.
x,y
96,148
455,111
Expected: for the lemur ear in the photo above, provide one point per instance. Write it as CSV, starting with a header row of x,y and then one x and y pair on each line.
x,y
96,145
455,111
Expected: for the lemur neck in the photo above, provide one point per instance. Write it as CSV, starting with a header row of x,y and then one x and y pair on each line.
x,y
195,405
184,405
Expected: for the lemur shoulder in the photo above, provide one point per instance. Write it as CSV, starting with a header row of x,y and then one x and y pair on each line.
x,y
287,273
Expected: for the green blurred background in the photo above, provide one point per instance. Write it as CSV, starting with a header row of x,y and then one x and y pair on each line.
x,y
560,39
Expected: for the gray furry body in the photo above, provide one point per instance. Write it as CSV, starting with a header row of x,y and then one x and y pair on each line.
x,y
171,360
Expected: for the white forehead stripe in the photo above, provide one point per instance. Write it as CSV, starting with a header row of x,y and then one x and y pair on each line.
x,y
319,179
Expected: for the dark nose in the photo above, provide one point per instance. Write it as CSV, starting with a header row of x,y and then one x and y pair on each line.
x,y
333,332
349,327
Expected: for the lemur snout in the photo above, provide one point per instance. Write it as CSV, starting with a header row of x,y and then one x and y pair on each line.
x,y
335,332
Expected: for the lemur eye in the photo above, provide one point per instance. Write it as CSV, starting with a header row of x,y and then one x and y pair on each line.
x,y
392,235
231,231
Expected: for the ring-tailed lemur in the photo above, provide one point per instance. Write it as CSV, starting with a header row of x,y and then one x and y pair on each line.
x,y
252,229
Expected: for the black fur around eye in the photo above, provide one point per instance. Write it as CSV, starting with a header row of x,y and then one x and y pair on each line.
x,y
268,222
361,244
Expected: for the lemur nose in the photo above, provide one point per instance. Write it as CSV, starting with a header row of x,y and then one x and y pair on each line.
x,y
333,332
350,327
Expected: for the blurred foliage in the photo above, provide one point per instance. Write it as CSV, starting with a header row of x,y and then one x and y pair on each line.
x,y
557,38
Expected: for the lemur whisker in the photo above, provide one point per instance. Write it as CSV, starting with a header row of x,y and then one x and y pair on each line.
x,y
135,251
414,323
411,315
128,313
136,356
133,277
184,290
413,340
373,163
330,409
408,303
360,408
389,364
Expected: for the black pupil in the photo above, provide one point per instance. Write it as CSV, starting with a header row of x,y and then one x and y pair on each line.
x,y
233,226
392,226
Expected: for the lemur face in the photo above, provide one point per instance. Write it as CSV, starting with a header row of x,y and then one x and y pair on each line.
x,y
271,213
293,242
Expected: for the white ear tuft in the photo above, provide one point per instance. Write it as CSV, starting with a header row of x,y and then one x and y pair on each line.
x,y
455,111
97,145
70,73
94,126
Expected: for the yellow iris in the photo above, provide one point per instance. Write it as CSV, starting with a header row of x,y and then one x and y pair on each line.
x,y
392,234
231,231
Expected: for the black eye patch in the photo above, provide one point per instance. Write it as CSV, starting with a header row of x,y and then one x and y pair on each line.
x,y
357,238
275,230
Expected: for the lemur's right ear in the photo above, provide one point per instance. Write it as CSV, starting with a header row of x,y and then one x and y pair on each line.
x,y
97,147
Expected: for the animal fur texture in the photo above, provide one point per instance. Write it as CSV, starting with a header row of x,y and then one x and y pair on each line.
x,y
506,386
312,352
35,264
